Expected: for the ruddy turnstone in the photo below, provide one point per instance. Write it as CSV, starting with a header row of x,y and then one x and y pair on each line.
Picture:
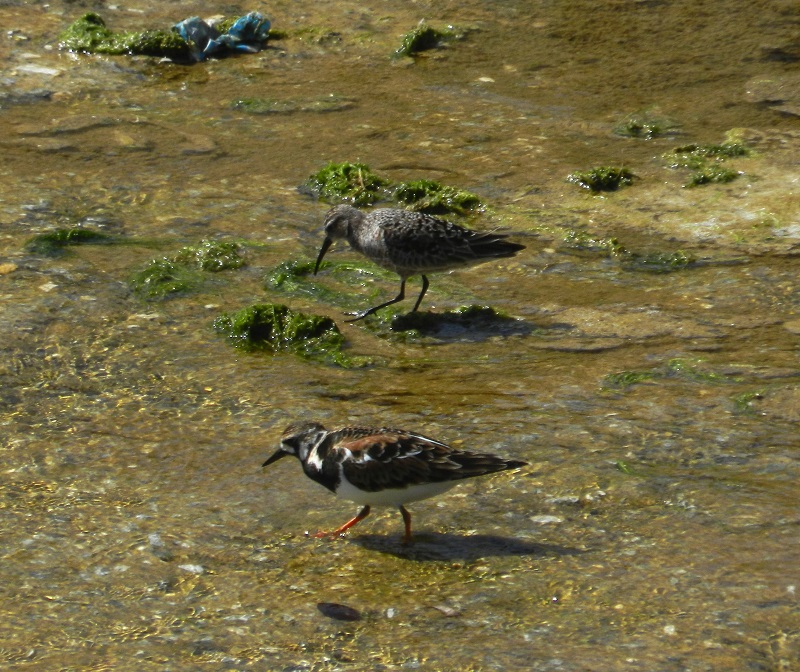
x,y
379,466
411,243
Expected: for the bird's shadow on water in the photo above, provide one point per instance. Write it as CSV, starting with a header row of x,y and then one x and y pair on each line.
x,y
473,323
442,547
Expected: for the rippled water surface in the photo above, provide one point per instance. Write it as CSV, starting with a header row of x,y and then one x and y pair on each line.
x,y
656,527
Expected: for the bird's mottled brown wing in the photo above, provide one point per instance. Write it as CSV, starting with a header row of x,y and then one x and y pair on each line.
x,y
428,243
389,459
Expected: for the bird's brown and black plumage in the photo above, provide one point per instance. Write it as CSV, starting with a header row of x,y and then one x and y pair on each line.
x,y
411,243
382,466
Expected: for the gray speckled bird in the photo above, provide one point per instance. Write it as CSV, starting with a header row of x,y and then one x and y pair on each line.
x,y
411,243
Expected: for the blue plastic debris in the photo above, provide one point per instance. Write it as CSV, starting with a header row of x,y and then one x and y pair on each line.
x,y
248,34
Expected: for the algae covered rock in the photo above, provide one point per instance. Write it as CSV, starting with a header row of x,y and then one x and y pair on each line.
x,y
356,184
425,37
348,182
603,178
90,35
211,255
435,198
182,272
274,327
54,242
162,277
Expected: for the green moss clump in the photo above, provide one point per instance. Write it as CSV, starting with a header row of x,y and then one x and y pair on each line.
x,y
660,262
211,255
90,35
276,328
348,182
725,150
646,125
264,106
162,277
287,275
53,243
425,37
603,178
585,242
691,370
432,197
707,162
744,401
712,174
624,379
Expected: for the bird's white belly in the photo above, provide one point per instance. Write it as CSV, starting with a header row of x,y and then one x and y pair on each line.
x,y
397,497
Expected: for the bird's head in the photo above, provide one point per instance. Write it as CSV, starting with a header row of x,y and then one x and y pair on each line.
x,y
297,439
338,224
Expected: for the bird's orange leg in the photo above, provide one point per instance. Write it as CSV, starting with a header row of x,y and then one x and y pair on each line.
x,y
361,515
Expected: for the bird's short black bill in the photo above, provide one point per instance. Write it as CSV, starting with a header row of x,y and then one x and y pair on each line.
x,y
325,245
277,456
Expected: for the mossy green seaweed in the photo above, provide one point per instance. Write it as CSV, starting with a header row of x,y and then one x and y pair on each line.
x,y
162,277
659,262
425,37
646,124
602,178
435,198
586,242
211,255
182,272
348,182
624,379
707,161
89,34
651,262
54,242
276,328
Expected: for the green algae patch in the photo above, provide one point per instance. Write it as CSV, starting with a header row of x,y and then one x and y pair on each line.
x,y
347,182
276,328
713,174
183,272
708,162
53,243
582,241
625,379
355,183
659,262
650,262
646,125
425,38
162,277
434,198
90,35
603,178
211,255
296,278
690,155
694,371
266,106
745,402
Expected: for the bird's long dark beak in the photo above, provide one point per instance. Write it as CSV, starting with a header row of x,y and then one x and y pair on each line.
x,y
325,245
277,456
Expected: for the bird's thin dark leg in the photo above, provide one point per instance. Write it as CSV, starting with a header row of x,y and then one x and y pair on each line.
x,y
361,515
399,297
422,293
407,521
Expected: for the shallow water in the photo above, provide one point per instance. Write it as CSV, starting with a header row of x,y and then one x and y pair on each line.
x,y
656,527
